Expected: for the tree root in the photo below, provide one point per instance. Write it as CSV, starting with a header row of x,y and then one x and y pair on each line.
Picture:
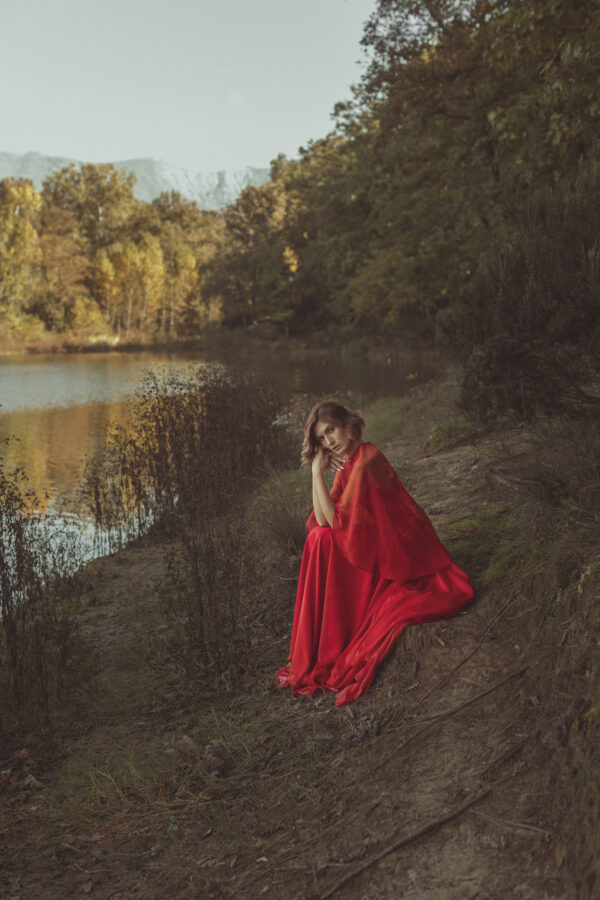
x,y
426,829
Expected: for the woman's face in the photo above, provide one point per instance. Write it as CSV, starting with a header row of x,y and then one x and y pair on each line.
x,y
334,437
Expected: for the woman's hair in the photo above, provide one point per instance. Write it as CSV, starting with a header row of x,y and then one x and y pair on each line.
x,y
335,414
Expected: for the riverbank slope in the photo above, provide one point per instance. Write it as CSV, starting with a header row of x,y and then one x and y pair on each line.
x,y
459,775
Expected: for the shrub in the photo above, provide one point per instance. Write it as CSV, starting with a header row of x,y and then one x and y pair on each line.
x,y
184,462
192,443
527,327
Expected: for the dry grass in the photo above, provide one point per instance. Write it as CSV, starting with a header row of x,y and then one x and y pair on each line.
x,y
40,655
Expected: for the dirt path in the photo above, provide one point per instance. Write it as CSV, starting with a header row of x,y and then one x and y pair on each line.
x,y
252,794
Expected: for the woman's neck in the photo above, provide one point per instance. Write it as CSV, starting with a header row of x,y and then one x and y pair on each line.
x,y
352,449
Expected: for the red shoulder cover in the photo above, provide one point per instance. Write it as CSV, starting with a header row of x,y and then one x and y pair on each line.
x,y
377,524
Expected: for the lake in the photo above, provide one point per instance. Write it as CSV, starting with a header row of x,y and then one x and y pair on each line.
x,y
54,409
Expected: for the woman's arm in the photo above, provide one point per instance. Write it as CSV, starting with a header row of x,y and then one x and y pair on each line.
x,y
323,505
321,520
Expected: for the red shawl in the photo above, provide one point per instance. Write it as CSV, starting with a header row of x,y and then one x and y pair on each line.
x,y
380,568
377,524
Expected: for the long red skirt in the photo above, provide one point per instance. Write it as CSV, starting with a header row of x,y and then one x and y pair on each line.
x,y
347,620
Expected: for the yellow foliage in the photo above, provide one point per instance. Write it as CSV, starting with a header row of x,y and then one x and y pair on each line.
x,y
20,252
86,317
291,259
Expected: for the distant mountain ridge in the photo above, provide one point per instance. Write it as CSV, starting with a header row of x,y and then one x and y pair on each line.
x,y
211,191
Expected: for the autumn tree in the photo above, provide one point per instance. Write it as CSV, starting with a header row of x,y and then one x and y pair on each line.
x,y
129,279
99,196
63,301
189,239
20,253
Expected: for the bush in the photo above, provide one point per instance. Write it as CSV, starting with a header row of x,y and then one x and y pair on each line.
x,y
191,445
527,327
184,463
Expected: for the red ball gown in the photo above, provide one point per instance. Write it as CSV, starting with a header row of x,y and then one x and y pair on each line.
x,y
380,568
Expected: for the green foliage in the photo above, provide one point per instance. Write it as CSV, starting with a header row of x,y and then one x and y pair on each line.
x,y
527,326
249,277
387,218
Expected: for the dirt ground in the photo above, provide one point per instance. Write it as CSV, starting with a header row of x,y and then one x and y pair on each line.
x,y
437,785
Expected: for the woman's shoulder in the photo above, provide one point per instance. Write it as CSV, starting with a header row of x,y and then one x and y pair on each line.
x,y
368,457
367,452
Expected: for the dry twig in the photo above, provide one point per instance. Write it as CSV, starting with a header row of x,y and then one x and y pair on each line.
x,y
505,754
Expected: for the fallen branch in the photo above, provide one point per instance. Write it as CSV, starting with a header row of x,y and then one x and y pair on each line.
x,y
403,842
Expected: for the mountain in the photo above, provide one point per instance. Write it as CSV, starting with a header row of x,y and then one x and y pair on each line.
x,y
212,191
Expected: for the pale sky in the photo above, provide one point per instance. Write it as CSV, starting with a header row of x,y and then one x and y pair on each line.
x,y
206,84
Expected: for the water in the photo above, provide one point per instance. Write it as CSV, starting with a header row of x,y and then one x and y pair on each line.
x,y
54,408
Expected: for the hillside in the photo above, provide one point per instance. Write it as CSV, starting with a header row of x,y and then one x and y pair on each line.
x,y
214,190
455,777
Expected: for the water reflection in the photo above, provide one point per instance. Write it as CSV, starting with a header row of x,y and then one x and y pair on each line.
x,y
50,381
51,447
55,408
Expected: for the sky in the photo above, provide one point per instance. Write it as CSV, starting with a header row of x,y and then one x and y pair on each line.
x,y
205,84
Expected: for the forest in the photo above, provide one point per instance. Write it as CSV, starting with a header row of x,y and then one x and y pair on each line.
x,y
464,166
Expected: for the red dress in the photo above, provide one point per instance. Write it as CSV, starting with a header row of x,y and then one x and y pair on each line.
x,y
380,568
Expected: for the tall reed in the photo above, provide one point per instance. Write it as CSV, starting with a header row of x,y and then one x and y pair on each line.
x,y
38,638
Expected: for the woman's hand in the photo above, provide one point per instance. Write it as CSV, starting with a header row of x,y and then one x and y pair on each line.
x,y
324,459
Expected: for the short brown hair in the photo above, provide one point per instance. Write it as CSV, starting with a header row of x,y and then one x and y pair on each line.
x,y
333,412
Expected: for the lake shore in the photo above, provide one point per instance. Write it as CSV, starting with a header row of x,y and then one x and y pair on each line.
x,y
238,790
220,340
57,345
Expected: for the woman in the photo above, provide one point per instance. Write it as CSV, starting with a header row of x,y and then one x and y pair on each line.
x,y
372,563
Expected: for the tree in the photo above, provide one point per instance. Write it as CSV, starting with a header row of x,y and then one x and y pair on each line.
x,y
99,196
64,273
129,279
189,239
475,101
329,195
526,328
20,253
249,274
